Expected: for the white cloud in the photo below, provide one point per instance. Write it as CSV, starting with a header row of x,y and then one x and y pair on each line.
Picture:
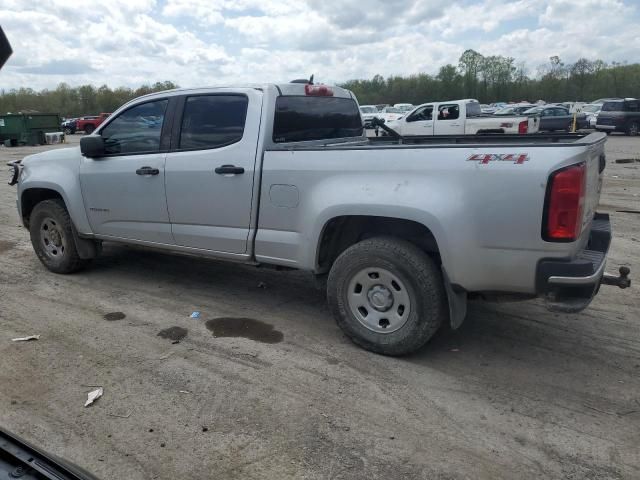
x,y
204,42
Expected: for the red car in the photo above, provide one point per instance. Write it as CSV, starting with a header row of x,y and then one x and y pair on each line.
x,y
89,124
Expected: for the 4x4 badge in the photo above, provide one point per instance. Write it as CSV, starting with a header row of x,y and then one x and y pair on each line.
x,y
484,158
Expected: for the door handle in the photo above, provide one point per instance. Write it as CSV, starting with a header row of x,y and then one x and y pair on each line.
x,y
229,169
147,171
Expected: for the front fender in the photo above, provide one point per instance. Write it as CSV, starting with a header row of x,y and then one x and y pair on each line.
x,y
56,170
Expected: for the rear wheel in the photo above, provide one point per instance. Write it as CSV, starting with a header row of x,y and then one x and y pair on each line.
x,y
633,129
88,129
387,295
52,237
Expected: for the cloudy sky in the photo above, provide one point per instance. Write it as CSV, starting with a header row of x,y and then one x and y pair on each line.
x,y
213,42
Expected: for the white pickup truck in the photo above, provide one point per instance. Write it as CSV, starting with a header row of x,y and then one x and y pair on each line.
x,y
283,175
459,117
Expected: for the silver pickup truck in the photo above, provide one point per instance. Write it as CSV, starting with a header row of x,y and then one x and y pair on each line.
x,y
403,230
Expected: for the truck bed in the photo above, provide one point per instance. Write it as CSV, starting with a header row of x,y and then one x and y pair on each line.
x,y
466,141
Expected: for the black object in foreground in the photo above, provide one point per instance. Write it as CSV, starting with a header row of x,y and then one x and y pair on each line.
x,y
5,48
18,459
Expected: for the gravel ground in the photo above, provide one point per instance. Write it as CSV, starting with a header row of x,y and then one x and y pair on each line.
x,y
516,392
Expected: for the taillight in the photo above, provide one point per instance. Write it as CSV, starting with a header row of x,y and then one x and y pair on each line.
x,y
318,90
565,199
523,127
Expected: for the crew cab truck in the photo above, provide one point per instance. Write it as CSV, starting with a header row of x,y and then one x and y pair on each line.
x,y
89,124
459,117
403,232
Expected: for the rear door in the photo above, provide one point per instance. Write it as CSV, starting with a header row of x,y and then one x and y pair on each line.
x,y
210,169
449,120
419,122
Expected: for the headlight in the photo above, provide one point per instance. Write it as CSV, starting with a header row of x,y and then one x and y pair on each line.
x,y
14,172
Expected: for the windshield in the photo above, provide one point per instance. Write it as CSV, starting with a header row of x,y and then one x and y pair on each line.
x,y
505,111
533,110
368,109
591,108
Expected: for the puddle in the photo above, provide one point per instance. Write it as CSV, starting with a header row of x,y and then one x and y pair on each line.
x,y
6,246
244,328
111,316
173,333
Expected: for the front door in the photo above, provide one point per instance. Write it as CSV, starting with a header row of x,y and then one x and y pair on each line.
x,y
448,121
419,122
210,170
124,191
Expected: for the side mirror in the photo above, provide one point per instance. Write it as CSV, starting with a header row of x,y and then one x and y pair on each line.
x,y
92,146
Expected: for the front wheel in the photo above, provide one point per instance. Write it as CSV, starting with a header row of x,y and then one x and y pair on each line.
x,y
633,129
88,129
387,295
52,237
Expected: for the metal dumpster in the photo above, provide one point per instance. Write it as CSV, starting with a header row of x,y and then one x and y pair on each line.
x,y
27,128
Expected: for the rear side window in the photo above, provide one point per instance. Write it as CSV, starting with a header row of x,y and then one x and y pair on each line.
x,y
448,112
136,130
631,106
315,118
473,109
612,107
213,121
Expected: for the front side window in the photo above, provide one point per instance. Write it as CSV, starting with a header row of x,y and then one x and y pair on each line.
x,y
213,121
448,112
136,130
299,118
421,114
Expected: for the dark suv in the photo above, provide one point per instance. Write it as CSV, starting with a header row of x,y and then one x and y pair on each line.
x,y
620,116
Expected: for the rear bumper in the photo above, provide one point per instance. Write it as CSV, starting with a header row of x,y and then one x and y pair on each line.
x,y
569,285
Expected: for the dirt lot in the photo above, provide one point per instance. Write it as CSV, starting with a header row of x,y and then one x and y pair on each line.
x,y
516,392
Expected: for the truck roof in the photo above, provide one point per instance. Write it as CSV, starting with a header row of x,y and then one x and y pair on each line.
x,y
286,89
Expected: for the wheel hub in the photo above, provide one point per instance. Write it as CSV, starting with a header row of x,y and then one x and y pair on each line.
x,y
52,239
380,298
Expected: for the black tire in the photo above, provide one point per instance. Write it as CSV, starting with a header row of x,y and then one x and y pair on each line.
x,y
88,129
633,129
416,272
51,234
67,131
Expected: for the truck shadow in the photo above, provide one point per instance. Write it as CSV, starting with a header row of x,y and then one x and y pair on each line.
x,y
495,340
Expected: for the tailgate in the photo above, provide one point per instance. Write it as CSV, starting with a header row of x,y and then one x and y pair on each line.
x,y
595,161
533,124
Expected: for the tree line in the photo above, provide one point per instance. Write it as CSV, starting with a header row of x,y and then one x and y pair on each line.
x,y
496,78
487,78
74,101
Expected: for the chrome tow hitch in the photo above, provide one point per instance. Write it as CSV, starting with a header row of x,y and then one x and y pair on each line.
x,y
622,281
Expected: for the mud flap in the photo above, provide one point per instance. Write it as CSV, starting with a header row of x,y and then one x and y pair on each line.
x,y
86,248
457,303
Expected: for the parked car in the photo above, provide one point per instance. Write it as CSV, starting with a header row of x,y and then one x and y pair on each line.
x,y
620,116
369,112
389,114
69,126
404,107
487,109
459,117
590,111
513,109
89,124
403,233
553,117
